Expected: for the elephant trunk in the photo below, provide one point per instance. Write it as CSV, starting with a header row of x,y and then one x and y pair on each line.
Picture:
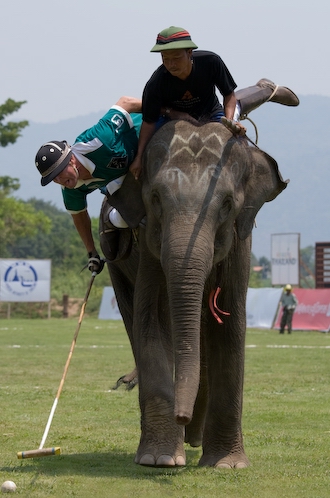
x,y
186,276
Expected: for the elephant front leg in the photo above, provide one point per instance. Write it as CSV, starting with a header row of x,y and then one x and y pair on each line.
x,y
225,450
222,439
162,440
225,349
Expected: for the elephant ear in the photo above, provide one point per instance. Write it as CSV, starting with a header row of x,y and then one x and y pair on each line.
x,y
264,183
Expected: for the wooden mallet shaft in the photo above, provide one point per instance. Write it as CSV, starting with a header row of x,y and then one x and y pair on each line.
x,y
42,452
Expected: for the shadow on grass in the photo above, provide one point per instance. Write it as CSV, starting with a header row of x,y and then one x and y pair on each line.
x,y
111,464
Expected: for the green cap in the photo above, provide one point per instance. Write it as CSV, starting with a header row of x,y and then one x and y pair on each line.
x,y
173,38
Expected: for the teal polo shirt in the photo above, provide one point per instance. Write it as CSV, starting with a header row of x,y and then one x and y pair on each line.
x,y
106,150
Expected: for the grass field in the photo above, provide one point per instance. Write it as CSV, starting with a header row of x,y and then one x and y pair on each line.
x,y
286,419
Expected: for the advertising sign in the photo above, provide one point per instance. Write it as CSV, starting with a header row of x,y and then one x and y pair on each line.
x,y
285,249
25,280
312,311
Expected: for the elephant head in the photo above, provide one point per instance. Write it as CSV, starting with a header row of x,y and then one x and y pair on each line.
x,y
202,189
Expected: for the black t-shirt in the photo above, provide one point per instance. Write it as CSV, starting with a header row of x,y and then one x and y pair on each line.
x,y
195,95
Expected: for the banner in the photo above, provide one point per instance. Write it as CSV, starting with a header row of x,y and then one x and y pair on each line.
x,y
262,307
312,312
109,308
285,249
25,280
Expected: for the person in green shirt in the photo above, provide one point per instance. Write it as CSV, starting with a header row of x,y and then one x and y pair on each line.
x,y
98,159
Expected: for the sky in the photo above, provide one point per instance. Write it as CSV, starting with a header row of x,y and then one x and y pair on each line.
x,y
72,57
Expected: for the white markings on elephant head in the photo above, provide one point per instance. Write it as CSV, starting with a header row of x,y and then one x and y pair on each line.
x,y
200,153
209,164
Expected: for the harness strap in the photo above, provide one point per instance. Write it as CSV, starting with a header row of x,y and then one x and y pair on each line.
x,y
214,307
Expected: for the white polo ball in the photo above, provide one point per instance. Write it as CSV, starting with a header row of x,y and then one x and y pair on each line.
x,y
8,487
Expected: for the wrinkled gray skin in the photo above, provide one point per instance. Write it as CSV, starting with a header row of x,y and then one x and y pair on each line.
x,y
202,189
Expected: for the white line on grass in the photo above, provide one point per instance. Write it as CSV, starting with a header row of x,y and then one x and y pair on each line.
x,y
93,346
283,346
119,346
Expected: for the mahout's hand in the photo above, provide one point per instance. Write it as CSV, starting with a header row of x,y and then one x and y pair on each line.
x,y
136,167
234,126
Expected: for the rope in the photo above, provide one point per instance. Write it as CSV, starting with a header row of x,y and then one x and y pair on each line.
x,y
255,127
272,95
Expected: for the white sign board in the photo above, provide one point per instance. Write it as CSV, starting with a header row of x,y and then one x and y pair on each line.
x,y
109,308
25,280
285,258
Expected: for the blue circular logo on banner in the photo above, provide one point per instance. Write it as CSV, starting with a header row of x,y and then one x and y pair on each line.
x,y
21,278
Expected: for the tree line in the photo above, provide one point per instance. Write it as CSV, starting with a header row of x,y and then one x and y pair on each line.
x,y
36,229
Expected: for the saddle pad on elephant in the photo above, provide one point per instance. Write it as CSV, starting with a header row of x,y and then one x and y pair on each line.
x,y
128,200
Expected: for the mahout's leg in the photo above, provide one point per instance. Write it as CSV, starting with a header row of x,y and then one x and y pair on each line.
x,y
252,97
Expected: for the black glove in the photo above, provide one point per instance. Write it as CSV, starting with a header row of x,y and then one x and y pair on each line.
x,y
95,263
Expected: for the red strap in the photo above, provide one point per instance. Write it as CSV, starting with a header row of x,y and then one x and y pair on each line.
x,y
213,305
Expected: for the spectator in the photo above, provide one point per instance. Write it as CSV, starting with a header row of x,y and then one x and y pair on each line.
x,y
288,303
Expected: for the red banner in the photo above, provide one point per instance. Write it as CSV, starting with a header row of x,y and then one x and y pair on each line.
x,y
312,312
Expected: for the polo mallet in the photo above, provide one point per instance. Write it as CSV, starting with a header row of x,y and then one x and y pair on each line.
x,y
42,452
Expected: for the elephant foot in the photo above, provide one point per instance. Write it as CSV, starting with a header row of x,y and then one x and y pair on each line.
x,y
161,450
231,461
150,460
162,440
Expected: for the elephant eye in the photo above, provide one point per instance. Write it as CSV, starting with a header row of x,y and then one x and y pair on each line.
x,y
226,208
156,205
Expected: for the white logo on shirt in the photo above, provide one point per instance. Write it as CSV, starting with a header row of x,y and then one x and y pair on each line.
x,y
117,120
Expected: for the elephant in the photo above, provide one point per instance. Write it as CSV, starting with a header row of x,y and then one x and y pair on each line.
x,y
182,289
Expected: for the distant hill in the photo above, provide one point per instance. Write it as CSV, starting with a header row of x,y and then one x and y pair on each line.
x,y
296,137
